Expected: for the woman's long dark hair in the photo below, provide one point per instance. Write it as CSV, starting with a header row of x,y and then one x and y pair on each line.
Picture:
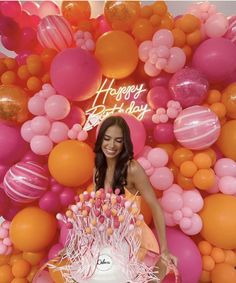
x,y
120,174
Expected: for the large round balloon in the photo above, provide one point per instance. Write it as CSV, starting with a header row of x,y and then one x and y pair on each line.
x,y
215,58
13,104
219,221
76,74
227,139
117,53
71,163
12,146
32,229
223,272
189,87
196,127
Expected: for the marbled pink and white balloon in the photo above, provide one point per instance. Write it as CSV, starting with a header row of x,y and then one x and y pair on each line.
x,y
55,32
196,127
26,182
231,32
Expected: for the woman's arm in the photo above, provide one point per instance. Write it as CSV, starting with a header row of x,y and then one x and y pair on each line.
x,y
141,183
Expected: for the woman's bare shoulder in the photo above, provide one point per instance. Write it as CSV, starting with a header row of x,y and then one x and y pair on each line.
x,y
134,167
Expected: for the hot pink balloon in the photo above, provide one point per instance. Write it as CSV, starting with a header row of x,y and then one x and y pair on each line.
x,y
215,58
67,196
26,182
189,87
41,145
158,96
231,32
80,79
50,202
162,178
10,9
196,127
57,107
55,32
163,133
76,116
225,167
163,37
216,25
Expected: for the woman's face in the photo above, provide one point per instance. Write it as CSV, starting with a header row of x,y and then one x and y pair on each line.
x,y
113,142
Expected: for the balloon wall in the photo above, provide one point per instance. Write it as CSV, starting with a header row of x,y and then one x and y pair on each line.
x,y
172,78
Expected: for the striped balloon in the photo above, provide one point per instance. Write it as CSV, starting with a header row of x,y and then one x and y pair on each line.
x,y
25,182
55,32
196,127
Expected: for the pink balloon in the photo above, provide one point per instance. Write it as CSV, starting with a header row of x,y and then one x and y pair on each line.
x,y
76,116
53,252
44,277
196,225
162,178
158,96
103,25
225,167
36,105
169,221
185,223
40,125
161,80
144,49
174,188
171,202
158,157
215,58
137,131
163,37
50,202
63,234
48,8
227,185
196,127
189,257
57,107
26,131
4,202
67,196
10,9
41,145
12,145
176,60
193,200
216,25
188,87
82,76
231,32
151,70
55,32
30,156
163,133
58,132
30,7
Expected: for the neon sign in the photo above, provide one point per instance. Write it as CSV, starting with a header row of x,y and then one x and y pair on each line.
x,y
121,95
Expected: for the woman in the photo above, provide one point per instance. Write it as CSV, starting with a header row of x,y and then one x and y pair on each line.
x,y
116,168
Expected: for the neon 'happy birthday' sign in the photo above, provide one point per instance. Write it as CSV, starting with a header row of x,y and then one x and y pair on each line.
x,y
123,94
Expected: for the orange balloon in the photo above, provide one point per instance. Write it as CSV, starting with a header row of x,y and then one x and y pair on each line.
x,y
13,104
117,53
19,280
205,277
21,268
223,273
159,8
5,274
168,147
143,30
202,160
76,11
230,257
219,109
8,77
194,38
228,98
219,221
10,63
121,15
56,275
71,163
32,229
4,259
182,154
34,258
184,182
204,179
188,169
34,64
227,139
179,37
208,263
23,72
188,23
218,255
214,95
205,248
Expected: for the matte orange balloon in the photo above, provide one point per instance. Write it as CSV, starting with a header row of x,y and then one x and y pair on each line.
x,y
117,53
76,11
71,163
6,275
56,275
121,15
32,229
182,154
229,100
202,160
227,139
13,104
223,273
34,258
219,221
204,179
21,268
